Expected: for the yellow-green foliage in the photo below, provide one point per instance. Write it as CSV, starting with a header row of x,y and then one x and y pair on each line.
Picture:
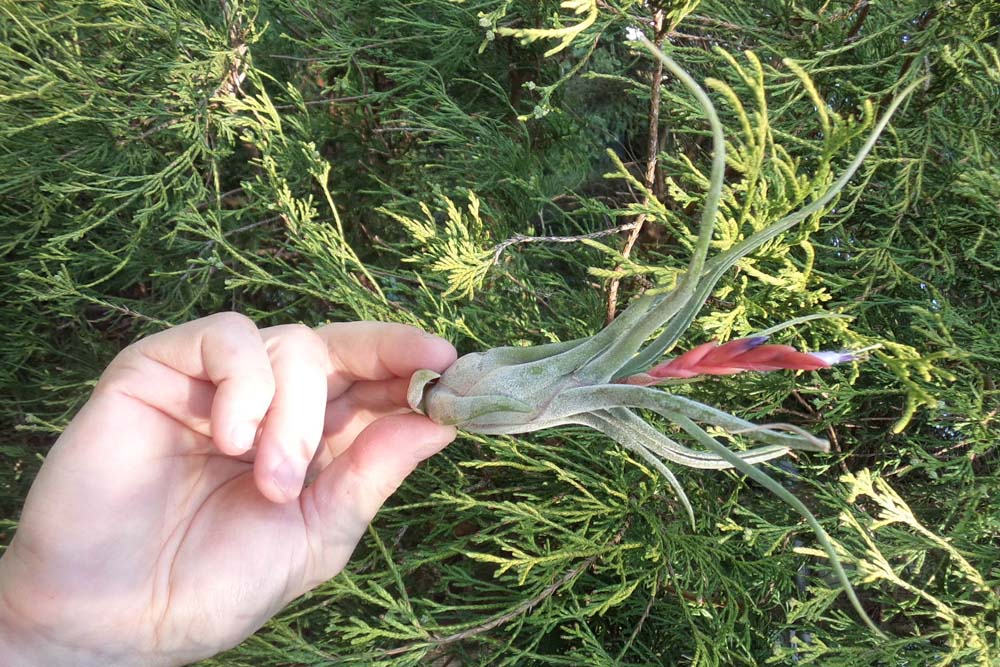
x,y
310,161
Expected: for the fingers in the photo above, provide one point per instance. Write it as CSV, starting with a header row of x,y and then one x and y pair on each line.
x,y
370,367
294,424
271,387
350,413
224,350
347,494
380,351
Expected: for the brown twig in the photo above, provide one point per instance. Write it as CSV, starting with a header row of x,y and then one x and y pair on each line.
x,y
232,82
847,12
324,100
649,178
815,416
862,7
706,41
520,238
638,626
129,312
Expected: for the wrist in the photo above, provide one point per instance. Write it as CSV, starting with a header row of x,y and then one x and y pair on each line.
x,y
19,645
14,649
23,644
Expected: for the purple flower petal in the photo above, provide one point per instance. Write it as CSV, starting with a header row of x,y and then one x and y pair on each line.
x,y
831,358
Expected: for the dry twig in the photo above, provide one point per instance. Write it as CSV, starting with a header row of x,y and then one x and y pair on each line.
x,y
520,238
649,178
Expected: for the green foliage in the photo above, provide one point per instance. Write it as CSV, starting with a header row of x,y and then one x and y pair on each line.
x,y
313,161
455,252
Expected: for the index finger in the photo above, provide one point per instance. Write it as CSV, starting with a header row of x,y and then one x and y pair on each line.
x,y
361,351
225,350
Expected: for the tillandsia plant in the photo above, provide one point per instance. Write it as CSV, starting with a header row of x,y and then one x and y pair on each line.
x,y
596,381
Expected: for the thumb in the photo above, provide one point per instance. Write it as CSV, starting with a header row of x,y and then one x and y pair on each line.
x,y
349,492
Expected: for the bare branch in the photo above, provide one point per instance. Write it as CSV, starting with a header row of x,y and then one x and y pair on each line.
x,y
652,147
519,238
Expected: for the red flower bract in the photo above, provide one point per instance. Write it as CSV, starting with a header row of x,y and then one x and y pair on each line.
x,y
743,354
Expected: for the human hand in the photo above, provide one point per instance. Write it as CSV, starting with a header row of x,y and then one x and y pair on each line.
x,y
160,530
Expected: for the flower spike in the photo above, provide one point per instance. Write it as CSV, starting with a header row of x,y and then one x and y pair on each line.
x,y
736,356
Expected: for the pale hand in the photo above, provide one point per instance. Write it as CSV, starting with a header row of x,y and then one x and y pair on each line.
x,y
169,521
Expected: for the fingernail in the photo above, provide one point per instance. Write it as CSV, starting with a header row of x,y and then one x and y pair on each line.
x,y
288,478
243,436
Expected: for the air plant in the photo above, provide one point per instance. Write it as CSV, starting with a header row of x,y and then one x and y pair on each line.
x,y
598,381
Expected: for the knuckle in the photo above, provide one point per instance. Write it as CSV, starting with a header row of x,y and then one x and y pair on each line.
x,y
232,320
125,357
258,381
300,333
301,337
127,363
121,373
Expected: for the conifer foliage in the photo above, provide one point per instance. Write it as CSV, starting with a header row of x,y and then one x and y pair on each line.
x,y
514,172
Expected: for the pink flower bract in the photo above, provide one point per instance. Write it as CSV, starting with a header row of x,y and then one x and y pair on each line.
x,y
743,354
